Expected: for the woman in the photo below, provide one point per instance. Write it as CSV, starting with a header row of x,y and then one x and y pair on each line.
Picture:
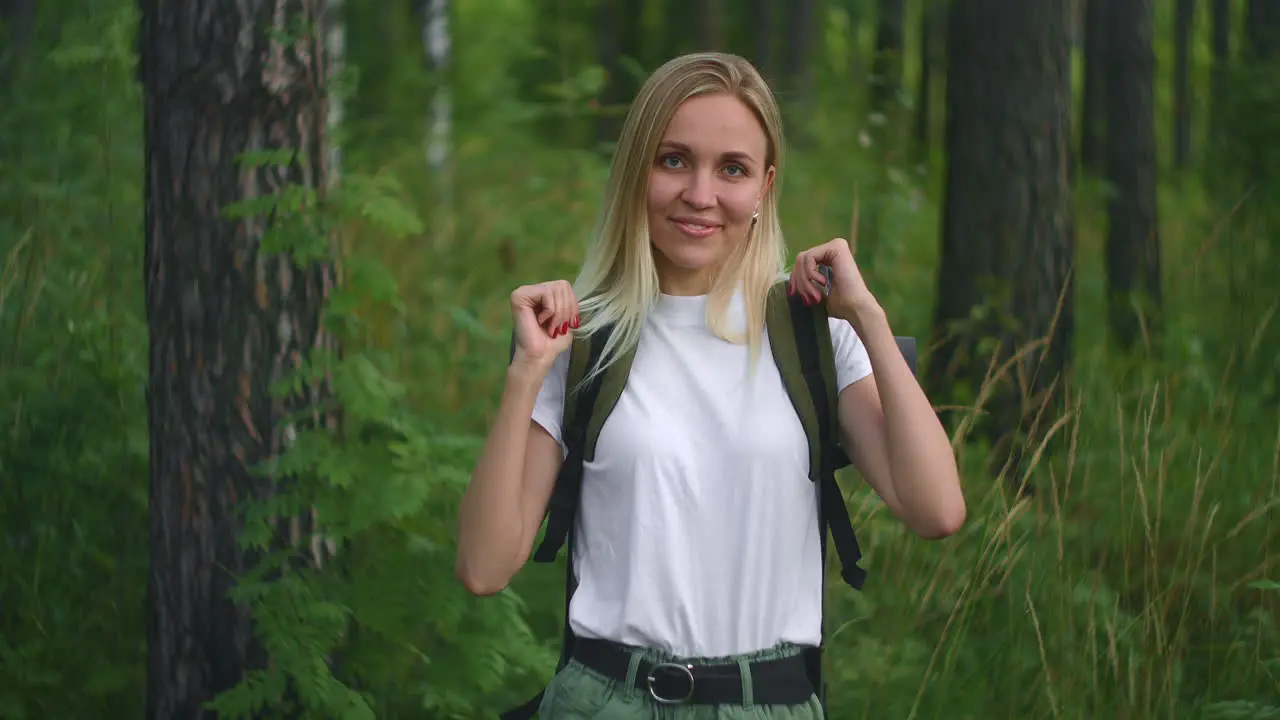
x,y
696,536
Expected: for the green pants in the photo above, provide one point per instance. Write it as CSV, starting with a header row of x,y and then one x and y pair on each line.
x,y
578,692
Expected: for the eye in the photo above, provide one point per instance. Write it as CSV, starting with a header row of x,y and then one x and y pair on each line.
x,y
740,171
671,162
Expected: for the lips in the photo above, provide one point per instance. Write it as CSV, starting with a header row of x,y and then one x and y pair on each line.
x,y
695,228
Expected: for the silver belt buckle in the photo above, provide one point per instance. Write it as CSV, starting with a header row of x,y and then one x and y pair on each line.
x,y
685,670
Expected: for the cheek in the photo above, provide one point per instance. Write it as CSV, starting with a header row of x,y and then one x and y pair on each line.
x,y
662,192
739,205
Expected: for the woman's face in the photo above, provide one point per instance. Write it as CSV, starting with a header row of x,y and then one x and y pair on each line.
x,y
706,182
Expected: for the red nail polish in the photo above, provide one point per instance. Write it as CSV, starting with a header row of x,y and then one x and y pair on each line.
x,y
575,322
564,328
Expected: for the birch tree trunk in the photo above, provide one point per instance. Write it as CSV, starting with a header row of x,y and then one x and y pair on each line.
x,y
436,42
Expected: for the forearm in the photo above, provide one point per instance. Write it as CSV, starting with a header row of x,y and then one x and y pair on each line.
x,y
491,520
922,464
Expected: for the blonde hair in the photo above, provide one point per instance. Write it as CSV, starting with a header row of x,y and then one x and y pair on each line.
x,y
618,283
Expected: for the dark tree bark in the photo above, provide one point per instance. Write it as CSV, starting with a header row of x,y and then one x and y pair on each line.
x,y
1096,70
931,61
18,22
712,22
1263,29
227,319
1220,27
1008,234
763,20
800,17
618,37
1182,29
886,65
1133,243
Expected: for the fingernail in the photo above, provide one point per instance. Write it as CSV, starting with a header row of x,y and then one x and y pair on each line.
x,y
564,328
575,322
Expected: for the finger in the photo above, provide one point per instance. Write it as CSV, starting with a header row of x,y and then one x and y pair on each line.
x,y
547,314
572,299
564,309
546,311
791,279
817,277
805,274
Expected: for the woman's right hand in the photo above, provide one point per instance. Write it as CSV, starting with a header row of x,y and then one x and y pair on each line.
x,y
545,317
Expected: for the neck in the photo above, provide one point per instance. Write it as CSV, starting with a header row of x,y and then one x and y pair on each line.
x,y
684,282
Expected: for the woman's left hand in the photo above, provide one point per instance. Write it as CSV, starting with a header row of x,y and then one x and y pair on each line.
x,y
848,294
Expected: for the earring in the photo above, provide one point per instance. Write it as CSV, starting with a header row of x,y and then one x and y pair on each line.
x,y
755,216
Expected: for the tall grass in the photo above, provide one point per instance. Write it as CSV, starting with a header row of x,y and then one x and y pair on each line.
x,y
1137,582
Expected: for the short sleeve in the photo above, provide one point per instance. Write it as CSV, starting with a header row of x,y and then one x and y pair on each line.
x,y
852,361
548,409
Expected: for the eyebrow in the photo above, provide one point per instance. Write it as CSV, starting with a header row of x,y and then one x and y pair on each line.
x,y
735,155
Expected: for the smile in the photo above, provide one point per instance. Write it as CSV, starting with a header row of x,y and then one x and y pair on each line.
x,y
696,230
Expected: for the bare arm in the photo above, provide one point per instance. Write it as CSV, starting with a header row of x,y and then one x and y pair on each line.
x,y
506,500
898,443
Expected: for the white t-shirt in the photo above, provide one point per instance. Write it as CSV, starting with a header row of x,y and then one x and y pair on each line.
x,y
697,532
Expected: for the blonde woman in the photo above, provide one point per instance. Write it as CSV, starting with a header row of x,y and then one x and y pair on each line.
x,y
696,553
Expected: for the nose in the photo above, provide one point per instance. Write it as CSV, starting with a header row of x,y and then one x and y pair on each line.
x,y
700,192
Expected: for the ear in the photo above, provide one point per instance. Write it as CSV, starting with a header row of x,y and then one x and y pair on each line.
x,y
768,183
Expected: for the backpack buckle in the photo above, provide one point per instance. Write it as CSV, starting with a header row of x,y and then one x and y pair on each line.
x,y
673,679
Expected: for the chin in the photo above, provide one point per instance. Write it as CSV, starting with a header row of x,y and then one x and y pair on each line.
x,y
690,259
691,255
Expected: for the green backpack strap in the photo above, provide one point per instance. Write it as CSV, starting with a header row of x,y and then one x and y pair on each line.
x,y
800,339
586,407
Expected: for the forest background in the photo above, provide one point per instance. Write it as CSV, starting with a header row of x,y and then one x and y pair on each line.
x,y
1091,185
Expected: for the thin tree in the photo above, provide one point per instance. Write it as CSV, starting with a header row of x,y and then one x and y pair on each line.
x,y
931,49
1133,241
1220,32
1182,34
229,319
1096,69
1008,233
886,65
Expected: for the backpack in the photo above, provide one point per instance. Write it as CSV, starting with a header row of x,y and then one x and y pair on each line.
x,y
807,366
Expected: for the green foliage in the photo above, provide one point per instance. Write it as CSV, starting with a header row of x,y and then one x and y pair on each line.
x,y
386,603
1138,583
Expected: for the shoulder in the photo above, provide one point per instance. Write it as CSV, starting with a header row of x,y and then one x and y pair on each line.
x,y
548,408
852,361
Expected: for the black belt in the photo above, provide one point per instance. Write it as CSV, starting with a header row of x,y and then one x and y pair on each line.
x,y
773,682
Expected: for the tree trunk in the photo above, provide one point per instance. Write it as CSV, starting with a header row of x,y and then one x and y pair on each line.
x,y
931,60
711,18
1182,29
227,319
1220,27
1263,29
763,20
18,22
801,28
335,48
1133,244
886,65
437,45
1096,71
1008,235
618,37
